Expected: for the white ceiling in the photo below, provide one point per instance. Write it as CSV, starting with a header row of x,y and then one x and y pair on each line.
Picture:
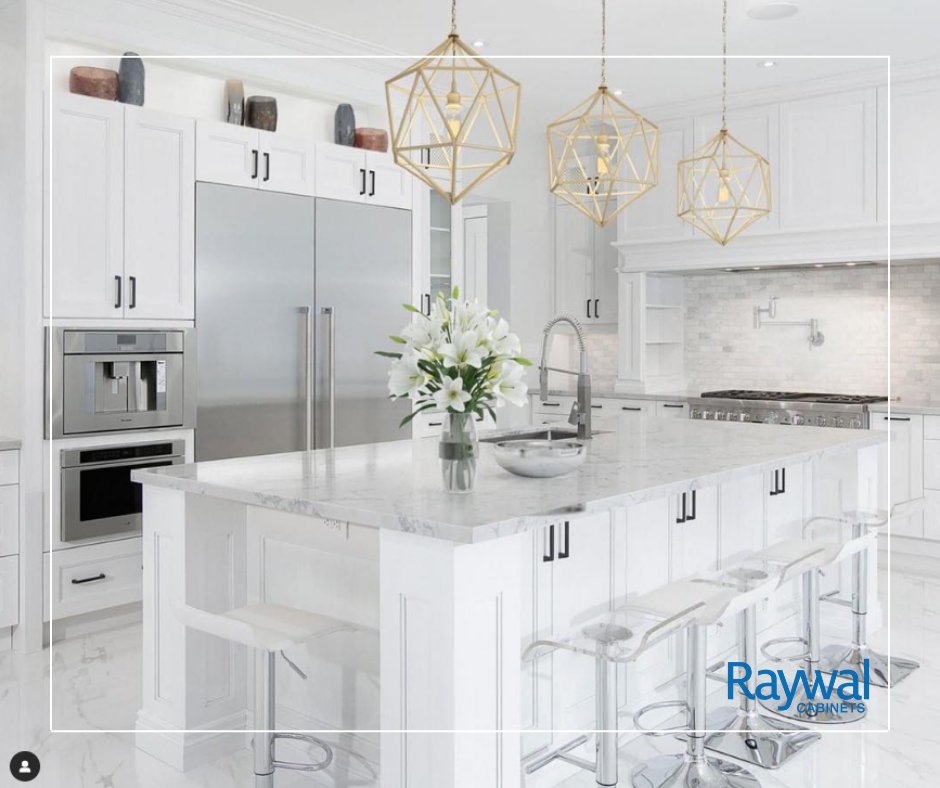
x,y
904,29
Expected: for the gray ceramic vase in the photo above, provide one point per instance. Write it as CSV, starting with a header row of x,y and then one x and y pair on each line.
x,y
235,102
344,125
261,113
131,80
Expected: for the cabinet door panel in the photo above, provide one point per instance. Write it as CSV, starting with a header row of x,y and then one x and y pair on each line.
x,y
226,153
906,450
604,284
341,173
287,165
388,184
86,208
159,210
785,517
915,158
829,161
574,263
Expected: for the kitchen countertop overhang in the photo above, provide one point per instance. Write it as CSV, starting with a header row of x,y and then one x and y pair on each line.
x,y
397,485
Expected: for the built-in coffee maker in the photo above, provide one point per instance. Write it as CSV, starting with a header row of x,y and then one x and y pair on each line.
x,y
107,381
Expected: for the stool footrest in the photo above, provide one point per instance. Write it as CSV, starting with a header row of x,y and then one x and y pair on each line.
x,y
303,767
765,649
663,704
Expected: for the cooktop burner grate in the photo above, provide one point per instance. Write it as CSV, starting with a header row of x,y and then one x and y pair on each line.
x,y
794,396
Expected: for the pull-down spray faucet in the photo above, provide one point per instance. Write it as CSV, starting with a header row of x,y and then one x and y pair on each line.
x,y
581,409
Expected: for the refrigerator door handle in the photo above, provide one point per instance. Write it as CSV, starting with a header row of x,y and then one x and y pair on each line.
x,y
331,382
307,312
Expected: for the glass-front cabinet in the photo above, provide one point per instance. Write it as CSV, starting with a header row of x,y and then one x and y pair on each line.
x,y
438,246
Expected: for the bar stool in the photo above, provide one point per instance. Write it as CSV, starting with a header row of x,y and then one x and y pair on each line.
x,y
825,554
882,671
742,731
268,629
693,767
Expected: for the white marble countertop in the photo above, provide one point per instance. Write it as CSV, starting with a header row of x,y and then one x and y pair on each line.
x,y
398,485
926,408
9,443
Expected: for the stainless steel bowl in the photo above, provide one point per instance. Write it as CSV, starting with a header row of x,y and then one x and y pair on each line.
x,y
540,458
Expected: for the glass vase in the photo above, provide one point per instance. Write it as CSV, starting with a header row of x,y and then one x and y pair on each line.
x,y
458,451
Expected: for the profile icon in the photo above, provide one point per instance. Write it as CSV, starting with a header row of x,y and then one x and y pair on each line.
x,y
24,766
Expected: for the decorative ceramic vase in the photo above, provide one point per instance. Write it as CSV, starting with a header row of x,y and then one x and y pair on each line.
x,y
458,451
344,125
372,139
131,80
261,113
235,102
93,81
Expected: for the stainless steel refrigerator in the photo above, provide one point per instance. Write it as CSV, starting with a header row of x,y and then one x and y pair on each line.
x,y
293,296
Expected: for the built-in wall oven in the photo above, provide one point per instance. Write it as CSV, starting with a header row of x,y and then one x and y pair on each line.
x,y
98,496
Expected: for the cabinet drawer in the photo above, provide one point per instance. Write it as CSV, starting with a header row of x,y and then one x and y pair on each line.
x,y
552,406
9,591
617,406
932,464
9,519
95,577
9,467
429,423
932,427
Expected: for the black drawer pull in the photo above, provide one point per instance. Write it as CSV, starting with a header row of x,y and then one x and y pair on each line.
x,y
682,517
587,308
597,407
372,183
267,166
76,582
254,164
629,407
897,418
435,423
669,405
692,515
564,552
552,404
117,297
597,309
362,187
549,555
133,282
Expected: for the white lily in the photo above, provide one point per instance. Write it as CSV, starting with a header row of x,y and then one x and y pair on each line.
x,y
405,378
464,351
510,387
451,395
502,341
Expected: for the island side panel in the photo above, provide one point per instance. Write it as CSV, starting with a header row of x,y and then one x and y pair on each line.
x,y
193,550
450,661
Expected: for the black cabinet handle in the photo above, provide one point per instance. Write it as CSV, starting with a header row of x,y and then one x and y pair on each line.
x,y
628,407
587,309
552,404
597,309
597,407
774,490
372,183
117,296
668,405
692,515
783,480
362,188
564,552
133,301
682,518
254,163
267,166
428,296
76,582
897,418
549,555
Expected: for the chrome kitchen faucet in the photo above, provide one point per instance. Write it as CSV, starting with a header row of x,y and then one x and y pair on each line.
x,y
581,408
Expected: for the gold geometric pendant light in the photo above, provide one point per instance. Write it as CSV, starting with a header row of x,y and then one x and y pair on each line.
x,y
602,155
724,186
453,117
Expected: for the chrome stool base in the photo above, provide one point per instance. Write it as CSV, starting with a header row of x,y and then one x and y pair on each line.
x,y
685,771
833,712
882,672
755,738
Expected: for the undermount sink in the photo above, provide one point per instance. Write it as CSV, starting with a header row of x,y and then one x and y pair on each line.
x,y
545,433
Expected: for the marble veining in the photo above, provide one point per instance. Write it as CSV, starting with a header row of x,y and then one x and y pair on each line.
x,y
397,484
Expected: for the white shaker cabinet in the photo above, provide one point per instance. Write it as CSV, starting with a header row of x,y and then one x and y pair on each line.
x,y
85,208
159,215
905,448
253,158
585,267
357,175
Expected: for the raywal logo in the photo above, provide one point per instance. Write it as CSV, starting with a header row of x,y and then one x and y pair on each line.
x,y
839,691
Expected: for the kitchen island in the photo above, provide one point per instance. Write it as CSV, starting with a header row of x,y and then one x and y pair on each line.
x,y
444,591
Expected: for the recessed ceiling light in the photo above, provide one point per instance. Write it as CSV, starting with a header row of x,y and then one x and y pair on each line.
x,y
479,43
767,63
618,92
756,268
819,265
850,265
769,10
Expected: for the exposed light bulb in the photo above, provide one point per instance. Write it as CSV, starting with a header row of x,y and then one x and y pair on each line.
x,y
724,188
602,143
452,111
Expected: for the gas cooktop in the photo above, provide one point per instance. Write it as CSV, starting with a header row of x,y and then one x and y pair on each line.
x,y
795,396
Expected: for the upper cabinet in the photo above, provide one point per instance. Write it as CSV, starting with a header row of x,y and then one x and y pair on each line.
x,y
585,267
120,222
357,175
256,159
831,158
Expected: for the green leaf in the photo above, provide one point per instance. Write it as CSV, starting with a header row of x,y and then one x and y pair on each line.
x,y
522,361
455,293
387,354
398,340
414,413
411,308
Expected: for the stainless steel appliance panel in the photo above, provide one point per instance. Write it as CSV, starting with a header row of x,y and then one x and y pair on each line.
x,y
363,262
98,496
254,298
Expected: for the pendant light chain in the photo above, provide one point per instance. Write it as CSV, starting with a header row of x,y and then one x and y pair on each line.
x,y
453,17
603,43
724,66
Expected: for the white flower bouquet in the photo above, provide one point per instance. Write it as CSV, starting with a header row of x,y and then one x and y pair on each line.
x,y
462,358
